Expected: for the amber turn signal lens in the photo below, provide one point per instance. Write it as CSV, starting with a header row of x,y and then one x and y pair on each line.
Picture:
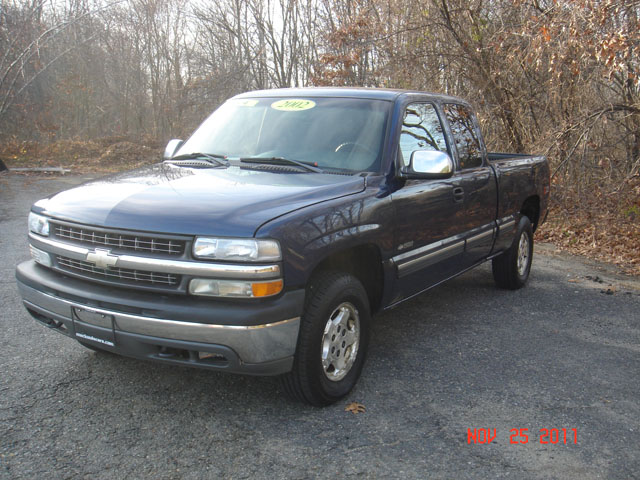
x,y
265,289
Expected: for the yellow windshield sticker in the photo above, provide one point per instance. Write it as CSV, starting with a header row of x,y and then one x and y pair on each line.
x,y
246,103
293,105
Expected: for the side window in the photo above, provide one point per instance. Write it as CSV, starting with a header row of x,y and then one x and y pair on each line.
x,y
421,130
465,135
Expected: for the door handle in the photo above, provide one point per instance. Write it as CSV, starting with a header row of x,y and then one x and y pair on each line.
x,y
458,194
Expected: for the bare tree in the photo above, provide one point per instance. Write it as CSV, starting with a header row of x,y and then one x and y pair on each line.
x,y
30,34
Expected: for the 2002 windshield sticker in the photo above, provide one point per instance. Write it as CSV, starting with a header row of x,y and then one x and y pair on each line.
x,y
520,436
293,105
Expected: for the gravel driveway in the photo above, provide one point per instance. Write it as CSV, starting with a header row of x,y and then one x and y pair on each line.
x,y
562,353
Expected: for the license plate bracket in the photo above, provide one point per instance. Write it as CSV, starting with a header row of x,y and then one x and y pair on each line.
x,y
93,326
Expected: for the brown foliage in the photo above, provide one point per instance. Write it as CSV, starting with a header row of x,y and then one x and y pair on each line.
x,y
102,155
127,153
602,225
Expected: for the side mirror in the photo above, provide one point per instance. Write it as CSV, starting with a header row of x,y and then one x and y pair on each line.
x,y
428,164
171,148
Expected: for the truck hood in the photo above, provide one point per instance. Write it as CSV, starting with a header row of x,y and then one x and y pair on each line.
x,y
165,198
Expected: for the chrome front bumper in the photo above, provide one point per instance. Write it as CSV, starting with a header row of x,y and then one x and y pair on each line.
x,y
265,349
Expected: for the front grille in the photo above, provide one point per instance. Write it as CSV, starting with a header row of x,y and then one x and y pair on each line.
x,y
114,239
136,277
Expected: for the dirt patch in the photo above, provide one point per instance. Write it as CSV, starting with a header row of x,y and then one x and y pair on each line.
x,y
602,277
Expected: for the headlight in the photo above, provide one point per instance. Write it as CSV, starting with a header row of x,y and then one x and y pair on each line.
x,y
38,224
237,249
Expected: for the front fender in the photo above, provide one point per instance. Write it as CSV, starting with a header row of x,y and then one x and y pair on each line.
x,y
309,235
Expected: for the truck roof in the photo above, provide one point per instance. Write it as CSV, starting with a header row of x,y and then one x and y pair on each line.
x,y
388,94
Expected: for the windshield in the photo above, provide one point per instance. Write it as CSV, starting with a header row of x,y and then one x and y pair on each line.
x,y
330,133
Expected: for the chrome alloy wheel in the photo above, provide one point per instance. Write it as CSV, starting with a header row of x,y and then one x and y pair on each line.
x,y
523,254
340,341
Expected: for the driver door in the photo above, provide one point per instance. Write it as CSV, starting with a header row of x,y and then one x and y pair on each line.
x,y
429,233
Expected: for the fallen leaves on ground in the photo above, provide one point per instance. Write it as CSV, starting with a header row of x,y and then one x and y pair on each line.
x,y
355,408
602,226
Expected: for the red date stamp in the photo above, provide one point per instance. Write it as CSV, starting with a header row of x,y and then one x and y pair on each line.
x,y
520,436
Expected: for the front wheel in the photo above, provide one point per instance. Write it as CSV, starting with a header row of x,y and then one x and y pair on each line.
x,y
333,340
511,269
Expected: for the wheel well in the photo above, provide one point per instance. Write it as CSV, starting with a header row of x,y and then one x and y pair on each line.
x,y
531,209
363,262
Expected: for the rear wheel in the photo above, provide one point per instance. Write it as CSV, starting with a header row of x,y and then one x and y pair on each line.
x,y
333,340
511,269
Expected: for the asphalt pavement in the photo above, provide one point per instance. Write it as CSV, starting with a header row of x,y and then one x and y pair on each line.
x,y
562,353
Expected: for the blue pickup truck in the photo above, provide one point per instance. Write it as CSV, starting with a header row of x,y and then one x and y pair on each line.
x,y
265,242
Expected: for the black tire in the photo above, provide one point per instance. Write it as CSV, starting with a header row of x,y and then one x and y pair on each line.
x,y
339,298
511,269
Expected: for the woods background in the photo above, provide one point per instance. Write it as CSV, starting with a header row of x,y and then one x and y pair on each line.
x,y
92,79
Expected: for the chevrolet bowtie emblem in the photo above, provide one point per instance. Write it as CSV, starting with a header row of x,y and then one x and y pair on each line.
x,y
102,258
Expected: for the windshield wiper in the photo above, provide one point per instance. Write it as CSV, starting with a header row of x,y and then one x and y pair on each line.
x,y
281,161
212,158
